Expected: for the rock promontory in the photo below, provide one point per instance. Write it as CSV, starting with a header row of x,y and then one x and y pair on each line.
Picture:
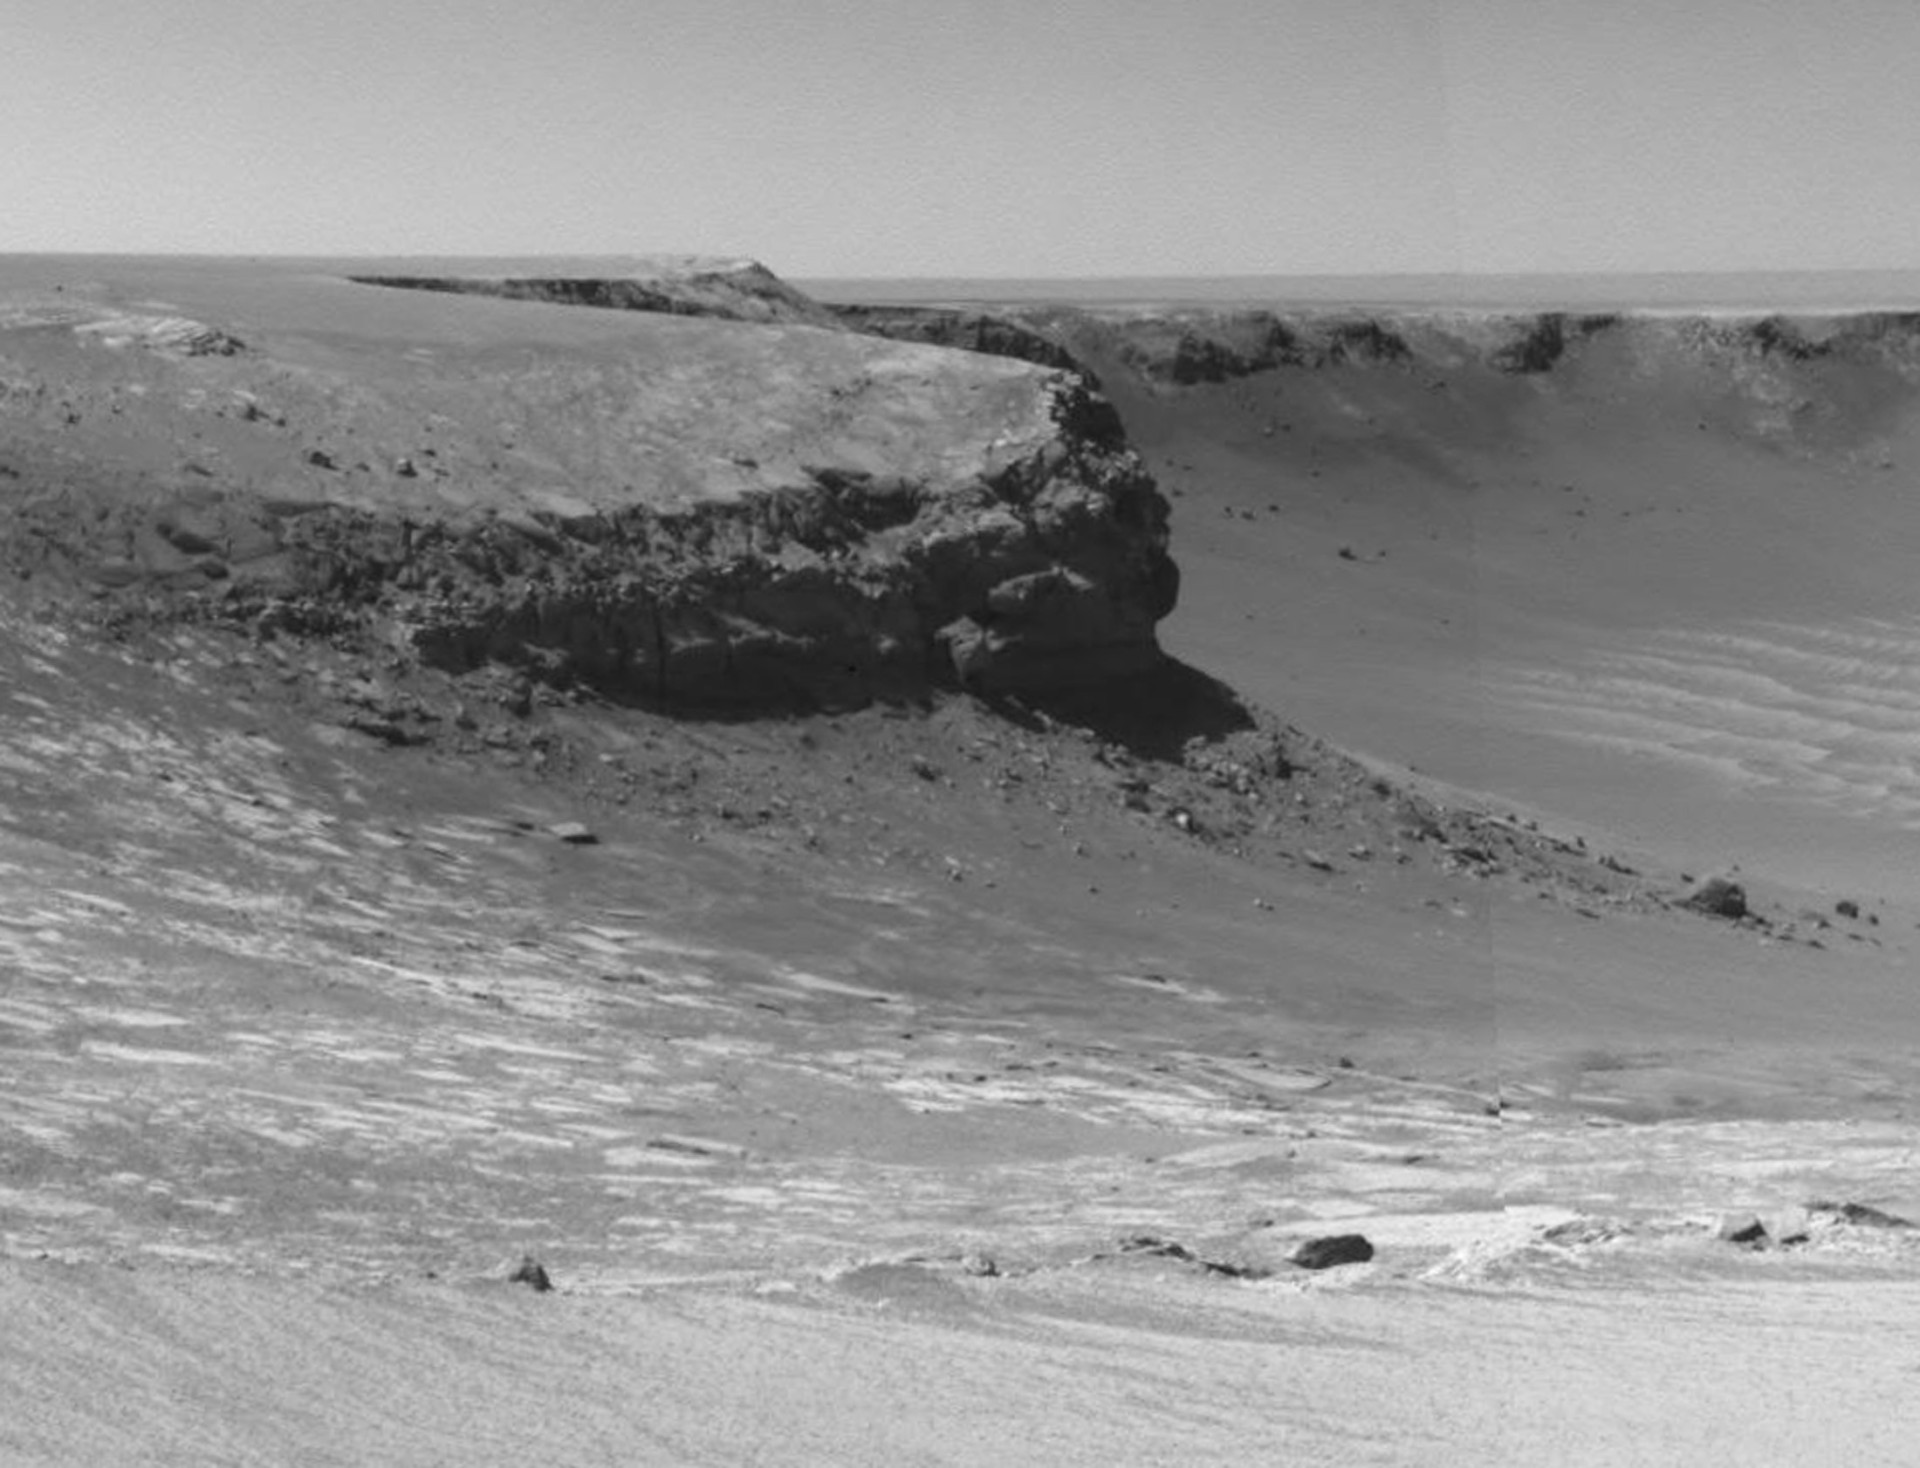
x,y
700,511
735,289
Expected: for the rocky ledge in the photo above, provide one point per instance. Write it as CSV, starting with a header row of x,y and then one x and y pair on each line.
x,y
676,285
682,511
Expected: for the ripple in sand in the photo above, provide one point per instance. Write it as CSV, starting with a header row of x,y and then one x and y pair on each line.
x,y
1824,713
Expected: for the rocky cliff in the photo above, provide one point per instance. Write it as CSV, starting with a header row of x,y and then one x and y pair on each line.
x,y
1179,347
972,331
685,511
674,285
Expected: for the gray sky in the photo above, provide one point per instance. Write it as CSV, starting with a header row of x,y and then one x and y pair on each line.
x,y
975,137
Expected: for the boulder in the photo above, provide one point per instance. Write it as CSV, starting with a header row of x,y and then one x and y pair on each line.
x,y
1331,1251
531,1273
1743,1228
1719,897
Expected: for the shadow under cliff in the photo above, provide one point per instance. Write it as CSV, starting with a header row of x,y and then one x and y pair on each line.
x,y
1153,714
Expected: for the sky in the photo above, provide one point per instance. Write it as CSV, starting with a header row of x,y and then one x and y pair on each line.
x,y
975,137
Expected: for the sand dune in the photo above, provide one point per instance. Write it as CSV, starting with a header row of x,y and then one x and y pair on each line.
x,y
1829,714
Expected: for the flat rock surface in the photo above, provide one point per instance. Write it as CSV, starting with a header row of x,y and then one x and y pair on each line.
x,y
495,404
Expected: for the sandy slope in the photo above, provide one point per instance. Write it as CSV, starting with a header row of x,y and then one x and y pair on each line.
x,y
307,1038
201,1369
1624,599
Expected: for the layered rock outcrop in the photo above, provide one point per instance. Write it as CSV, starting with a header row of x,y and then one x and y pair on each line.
x,y
690,512
673,285
972,331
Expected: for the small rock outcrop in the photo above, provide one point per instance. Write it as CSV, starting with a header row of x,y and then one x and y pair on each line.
x,y
1535,344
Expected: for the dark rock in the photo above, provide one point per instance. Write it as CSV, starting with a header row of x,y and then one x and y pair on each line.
x,y
1743,1228
1331,1251
1719,897
1847,908
533,1274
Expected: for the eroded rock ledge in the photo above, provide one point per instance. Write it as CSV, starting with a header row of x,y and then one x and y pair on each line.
x,y
1048,571
688,512
674,285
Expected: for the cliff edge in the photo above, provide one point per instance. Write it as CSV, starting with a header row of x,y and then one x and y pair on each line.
x,y
670,509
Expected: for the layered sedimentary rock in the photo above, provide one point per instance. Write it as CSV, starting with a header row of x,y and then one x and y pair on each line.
x,y
1180,347
972,331
673,285
683,510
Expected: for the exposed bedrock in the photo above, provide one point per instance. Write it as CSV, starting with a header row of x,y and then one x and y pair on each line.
x,y
1048,571
972,331
1758,354
690,512
673,285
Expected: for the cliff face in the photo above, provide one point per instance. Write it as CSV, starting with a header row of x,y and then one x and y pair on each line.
x,y
694,512
1184,347
673,285
971,331
1046,569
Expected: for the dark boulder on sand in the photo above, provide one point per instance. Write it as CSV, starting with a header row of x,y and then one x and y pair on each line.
x,y
1745,1229
1331,1251
1719,897
533,1274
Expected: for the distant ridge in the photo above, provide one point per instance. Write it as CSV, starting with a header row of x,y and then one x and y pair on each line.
x,y
1758,291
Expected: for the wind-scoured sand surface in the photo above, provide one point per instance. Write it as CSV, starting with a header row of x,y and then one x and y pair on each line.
x,y
220,1369
954,1083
